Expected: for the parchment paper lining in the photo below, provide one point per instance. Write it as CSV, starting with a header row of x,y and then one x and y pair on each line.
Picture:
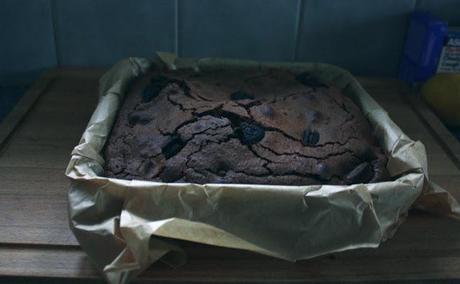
x,y
125,226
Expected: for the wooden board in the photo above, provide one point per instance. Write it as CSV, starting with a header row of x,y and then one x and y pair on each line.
x,y
35,239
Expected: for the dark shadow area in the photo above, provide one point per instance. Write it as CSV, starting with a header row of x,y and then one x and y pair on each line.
x,y
37,280
12,88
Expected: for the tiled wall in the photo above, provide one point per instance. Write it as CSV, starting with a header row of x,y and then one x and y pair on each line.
x,y
364,36
26,36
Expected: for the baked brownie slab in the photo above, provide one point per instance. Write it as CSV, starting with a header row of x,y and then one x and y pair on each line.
x,y
247,127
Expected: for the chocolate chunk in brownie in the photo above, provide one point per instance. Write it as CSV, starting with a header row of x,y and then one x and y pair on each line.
x,y
241,95
310,137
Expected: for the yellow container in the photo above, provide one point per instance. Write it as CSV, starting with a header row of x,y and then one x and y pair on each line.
x,y
442,92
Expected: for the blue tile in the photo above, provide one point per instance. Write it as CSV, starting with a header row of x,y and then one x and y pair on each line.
x,y
447,10
101,32
365,37
26,36
257,29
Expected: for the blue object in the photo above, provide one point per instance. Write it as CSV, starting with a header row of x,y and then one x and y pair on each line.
x,y
423,46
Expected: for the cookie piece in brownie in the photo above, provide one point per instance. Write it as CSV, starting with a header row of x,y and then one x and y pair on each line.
x,y
251,127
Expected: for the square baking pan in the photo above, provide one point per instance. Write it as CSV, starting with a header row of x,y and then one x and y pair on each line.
x,y
126,225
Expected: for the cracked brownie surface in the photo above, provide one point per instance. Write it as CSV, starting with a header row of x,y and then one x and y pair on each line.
x,y
249,127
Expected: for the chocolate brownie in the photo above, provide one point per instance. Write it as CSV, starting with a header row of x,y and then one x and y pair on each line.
x,y
245,127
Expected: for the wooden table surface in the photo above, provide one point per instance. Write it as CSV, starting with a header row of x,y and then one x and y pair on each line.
x,y
35,144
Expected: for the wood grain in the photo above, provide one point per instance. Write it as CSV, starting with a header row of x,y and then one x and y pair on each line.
x,y
35,239
412,254
49,261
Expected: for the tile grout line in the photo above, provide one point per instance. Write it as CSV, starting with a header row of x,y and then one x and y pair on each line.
x,y
415,6
298,22
176,28
55,36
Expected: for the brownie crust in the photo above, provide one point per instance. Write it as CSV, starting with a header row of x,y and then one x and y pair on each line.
x,y
244,127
